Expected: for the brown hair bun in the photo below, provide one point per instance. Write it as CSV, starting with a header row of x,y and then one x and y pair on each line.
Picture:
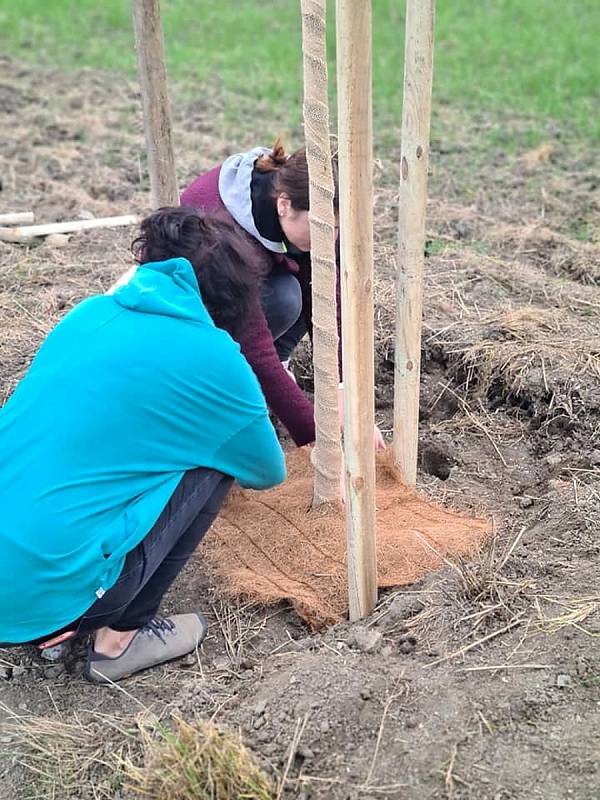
x,y
273,160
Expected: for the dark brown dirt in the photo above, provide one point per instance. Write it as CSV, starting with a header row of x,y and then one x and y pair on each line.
x,y
481,681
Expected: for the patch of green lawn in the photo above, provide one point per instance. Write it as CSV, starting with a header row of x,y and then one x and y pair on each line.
x,y
536,58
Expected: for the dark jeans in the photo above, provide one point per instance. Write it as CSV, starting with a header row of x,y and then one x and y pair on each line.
x,y
152,566
282,307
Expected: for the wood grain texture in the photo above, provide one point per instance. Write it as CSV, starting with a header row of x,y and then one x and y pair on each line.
x,y
150,48
327,454
356,229
416,114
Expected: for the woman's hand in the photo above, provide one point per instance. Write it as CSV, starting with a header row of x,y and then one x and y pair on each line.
x,y
378,440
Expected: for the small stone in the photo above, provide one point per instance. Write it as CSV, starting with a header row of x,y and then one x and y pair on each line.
x,y
6,673
553,460
57,240
364,639
57,652
305,752
366,693
189,660
595,458
54,670
402,607
411,722
324,726
386,651
260,708
563,680
258,723
85,214
6,738
526,502
407,645
19,671
557,485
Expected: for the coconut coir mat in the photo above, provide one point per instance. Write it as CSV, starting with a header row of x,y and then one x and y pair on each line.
x,y
269,546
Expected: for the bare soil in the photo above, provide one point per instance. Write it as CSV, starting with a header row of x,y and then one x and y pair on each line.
x,y
480,681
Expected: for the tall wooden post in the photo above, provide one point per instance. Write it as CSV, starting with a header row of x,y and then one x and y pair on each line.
x,y
149,44
327,454
356,229
416,114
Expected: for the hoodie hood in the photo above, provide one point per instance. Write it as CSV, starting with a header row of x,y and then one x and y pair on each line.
x,y
235,179
167,287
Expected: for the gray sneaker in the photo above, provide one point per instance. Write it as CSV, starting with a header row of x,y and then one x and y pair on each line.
x,y
162,639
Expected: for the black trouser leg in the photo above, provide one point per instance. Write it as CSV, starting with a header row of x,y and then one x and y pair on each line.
x,y
153,565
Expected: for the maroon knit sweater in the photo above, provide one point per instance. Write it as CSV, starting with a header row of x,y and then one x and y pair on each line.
x,y
285,399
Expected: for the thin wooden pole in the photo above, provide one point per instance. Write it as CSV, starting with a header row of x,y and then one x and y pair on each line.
x,y
414,160
149,44
17,218
327,454
25,233
356,228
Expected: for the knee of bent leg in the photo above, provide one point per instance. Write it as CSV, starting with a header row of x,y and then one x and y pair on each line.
x,y
288,298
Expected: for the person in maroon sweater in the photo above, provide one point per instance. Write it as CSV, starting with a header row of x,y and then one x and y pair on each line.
x,y
266,193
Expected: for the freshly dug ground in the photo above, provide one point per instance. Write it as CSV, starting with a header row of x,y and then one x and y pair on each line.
x,y
481,680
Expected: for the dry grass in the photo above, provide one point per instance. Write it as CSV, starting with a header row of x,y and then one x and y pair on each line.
x,y
240,624
575,610
196,761
552,250
106,754
515,343
64,755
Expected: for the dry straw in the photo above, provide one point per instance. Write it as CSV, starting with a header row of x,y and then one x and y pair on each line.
x,y
196,761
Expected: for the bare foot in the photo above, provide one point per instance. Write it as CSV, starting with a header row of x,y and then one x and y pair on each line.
x,y
112,643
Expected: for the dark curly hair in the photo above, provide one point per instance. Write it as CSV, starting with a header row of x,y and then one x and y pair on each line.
x,y
225,262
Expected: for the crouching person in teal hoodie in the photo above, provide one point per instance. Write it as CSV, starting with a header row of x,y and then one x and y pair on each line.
x,y
119,447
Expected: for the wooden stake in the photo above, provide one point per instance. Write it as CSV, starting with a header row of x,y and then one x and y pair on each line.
x,y
16,218
327,454
149,43
416,114
25,233
356,228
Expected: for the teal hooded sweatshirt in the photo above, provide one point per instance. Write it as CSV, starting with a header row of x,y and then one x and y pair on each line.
x,y
126,394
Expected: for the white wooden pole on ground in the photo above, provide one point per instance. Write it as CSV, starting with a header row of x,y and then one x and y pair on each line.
x,y
414,159
17,218
327,454
149,44
356,229
26,233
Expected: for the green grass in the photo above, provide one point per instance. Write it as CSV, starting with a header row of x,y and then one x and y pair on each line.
x,y
532,57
